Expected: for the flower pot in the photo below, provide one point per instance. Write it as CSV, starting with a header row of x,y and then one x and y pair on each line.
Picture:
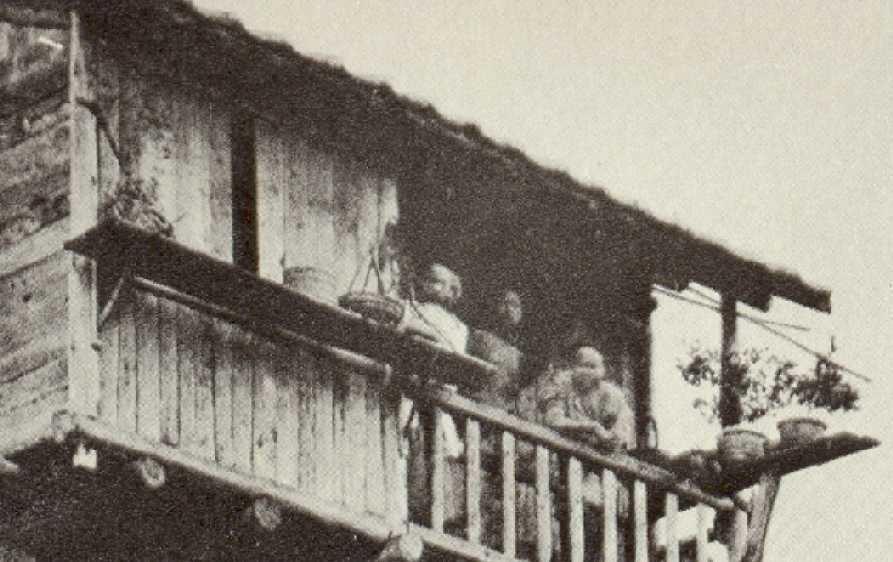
x,y
797,431
381,308
740,445
314,282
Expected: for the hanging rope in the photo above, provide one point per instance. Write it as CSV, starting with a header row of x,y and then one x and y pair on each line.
x,y
765,325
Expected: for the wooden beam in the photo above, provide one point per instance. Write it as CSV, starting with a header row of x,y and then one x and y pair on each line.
x,y
91,430
764,501
402,548
83,361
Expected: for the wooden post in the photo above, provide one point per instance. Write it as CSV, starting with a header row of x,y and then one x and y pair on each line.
x,y
729,400
83,360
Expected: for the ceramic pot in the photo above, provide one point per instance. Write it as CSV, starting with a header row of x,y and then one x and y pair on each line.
x,y
797,431
741,445
314,282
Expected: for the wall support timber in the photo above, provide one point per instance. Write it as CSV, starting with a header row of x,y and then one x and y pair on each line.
x,y
83,362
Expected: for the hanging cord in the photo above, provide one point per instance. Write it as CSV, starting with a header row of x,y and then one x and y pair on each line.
x,y
765,326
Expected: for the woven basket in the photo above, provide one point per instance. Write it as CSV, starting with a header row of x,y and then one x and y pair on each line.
x,y
797,431
382,309
740,445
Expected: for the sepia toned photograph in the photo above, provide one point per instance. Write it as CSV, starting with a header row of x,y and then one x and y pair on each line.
x,y
399,281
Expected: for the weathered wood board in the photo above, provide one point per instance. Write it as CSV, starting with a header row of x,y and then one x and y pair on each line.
x,y
269,408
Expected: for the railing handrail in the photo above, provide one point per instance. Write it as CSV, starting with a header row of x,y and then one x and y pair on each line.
x,y
538,434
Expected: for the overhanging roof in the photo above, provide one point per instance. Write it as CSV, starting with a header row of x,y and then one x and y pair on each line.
x,y
370,121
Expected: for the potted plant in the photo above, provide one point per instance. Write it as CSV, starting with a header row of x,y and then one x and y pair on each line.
x,y
761,383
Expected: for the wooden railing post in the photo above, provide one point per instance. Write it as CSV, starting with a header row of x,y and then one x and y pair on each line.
x,y
671,511
508,494
640,516
609,491
543,506
574,519
701,534
438,471
472,480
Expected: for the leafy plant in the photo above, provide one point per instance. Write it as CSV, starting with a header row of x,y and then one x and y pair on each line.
x,y
761,382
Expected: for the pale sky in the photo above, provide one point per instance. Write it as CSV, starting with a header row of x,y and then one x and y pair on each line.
x,y
767,126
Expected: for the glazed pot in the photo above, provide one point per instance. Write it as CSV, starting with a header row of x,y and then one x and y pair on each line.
x,y
797,431
740,445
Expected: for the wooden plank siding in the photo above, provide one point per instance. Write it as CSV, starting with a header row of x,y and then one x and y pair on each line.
x,y
258,406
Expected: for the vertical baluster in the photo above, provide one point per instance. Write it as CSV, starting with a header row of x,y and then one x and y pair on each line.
x,y
739,537
671,510
543,506
508,494
438,471
574,518
701,536
640,509
473,480
609,492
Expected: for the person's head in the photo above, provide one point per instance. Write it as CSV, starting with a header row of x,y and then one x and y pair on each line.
x,y
509,309
588,368
440,285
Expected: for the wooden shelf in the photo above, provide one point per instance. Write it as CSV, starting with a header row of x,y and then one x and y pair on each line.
x,y
120,246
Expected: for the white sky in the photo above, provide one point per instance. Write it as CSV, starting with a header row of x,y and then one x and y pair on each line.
x,y
767,126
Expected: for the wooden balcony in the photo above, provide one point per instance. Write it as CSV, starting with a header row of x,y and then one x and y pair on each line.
x,y
246,386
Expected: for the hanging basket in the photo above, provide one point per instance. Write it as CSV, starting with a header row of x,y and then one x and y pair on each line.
x,y
797,431
380,308
740,445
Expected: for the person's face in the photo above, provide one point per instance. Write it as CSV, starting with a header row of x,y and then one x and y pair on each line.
x,y
438,286
589,370
510,309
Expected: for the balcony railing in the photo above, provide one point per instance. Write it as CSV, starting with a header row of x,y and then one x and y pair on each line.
x,y
211,362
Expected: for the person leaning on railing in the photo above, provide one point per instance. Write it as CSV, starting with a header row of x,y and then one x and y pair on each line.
x,y
578,402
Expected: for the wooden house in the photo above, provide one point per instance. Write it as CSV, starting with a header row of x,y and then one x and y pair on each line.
x,y
167,180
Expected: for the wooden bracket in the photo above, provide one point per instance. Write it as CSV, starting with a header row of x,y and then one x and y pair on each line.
x,y
763,502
